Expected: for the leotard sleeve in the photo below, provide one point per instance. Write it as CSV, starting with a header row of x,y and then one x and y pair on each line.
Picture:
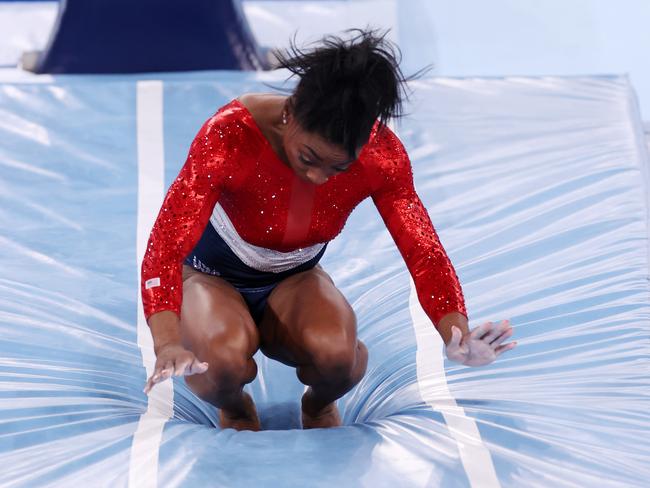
x,y
393,193
186,210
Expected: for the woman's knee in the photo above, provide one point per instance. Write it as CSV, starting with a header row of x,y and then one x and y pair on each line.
x,y
228,370
228,348
228,367
361,362
337,357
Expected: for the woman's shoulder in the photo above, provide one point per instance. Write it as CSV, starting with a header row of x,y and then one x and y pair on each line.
x,y
385,160
248,102
253,111
262,106
234,120
383,145
257,100
264,109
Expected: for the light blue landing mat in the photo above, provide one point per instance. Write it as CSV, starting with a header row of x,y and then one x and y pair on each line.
x,y
538,188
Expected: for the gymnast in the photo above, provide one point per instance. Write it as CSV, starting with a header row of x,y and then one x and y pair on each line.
x,y
231,264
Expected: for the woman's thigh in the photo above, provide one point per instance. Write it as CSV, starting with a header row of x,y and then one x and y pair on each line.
x,y
306,314
215,321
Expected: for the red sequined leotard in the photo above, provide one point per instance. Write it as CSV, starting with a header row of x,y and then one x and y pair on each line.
x,y
232,163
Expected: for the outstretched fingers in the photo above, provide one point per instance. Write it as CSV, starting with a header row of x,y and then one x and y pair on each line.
x,y
498,335
196,367
155,378
168,370
506,347
495,331
148,386
189,367
159,374
180,368
480,331
501,336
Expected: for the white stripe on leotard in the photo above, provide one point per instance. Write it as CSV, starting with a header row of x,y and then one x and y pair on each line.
x,y
259,258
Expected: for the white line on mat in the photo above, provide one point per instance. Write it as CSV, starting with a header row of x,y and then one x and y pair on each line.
x,y
143,467
432,383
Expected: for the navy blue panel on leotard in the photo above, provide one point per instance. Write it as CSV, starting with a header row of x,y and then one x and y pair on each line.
x,y
211,255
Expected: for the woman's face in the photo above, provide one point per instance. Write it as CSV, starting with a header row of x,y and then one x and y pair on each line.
x,y
311,157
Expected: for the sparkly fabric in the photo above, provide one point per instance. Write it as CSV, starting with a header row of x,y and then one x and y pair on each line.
x,y
259,258
230,161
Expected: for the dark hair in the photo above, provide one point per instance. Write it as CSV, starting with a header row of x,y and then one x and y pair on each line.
x,y
346,85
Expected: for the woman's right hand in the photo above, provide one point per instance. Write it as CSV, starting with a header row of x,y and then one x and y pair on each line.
x,y
174,359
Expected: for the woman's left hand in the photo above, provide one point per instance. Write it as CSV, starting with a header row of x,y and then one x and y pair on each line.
x,y
481,346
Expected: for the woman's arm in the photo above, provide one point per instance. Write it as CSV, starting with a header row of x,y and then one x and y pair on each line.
x,y
172,359
184,214
164,329
438,288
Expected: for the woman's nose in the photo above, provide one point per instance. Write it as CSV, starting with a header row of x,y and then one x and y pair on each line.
x,y
316,177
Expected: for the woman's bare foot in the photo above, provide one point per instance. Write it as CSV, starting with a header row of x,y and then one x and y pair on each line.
x,y
315,419
241,421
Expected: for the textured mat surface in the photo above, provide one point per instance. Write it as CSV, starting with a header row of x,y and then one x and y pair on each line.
x,y
538,188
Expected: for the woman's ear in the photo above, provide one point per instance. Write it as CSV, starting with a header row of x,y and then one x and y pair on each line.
x,y
286,111
289,105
